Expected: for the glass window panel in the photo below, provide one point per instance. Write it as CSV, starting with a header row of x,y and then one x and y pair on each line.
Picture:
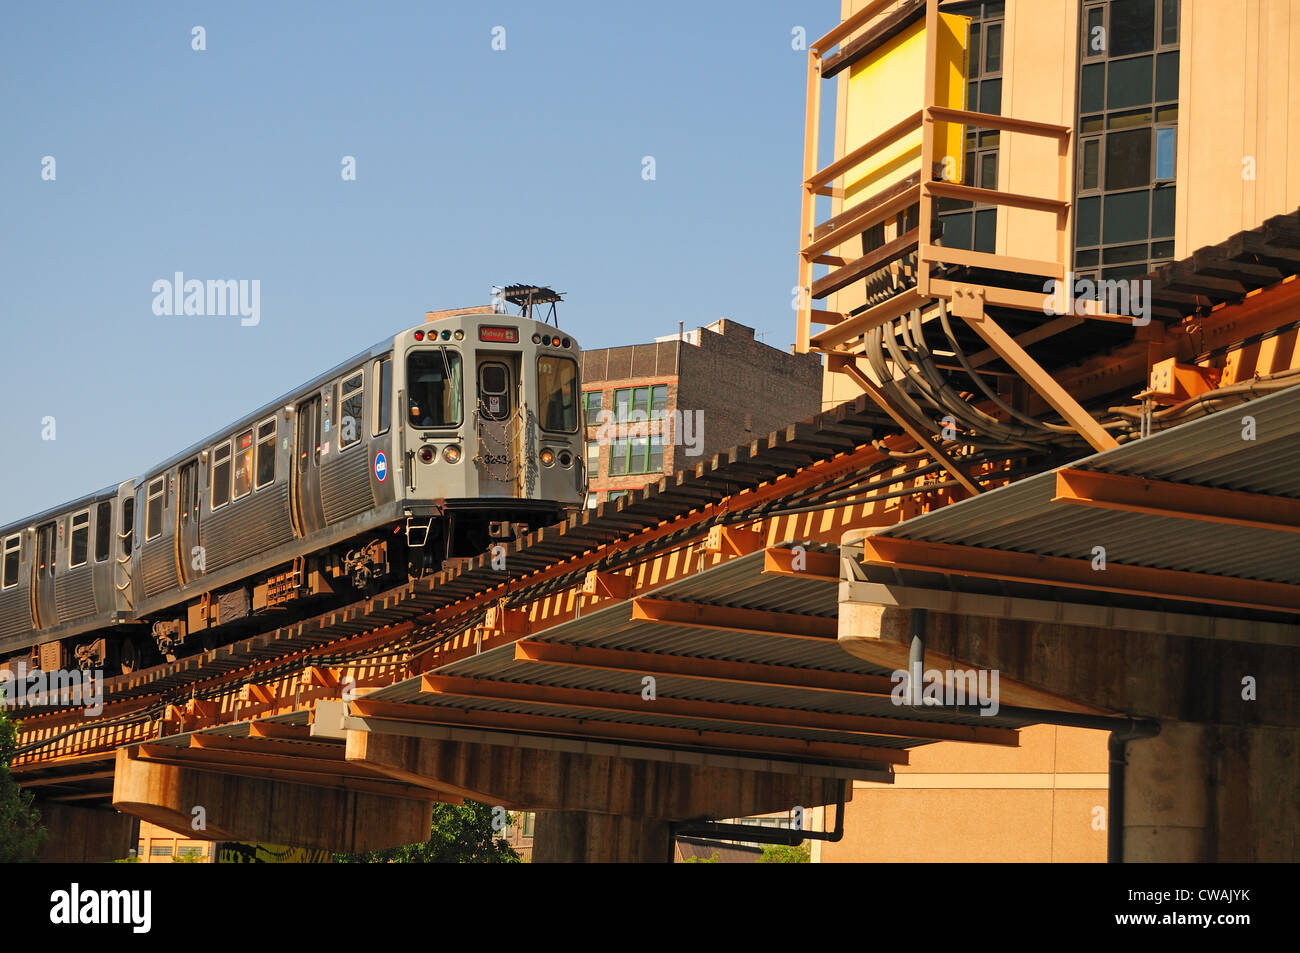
x,y
1132,26
973,97
1162,213
957,230
80,542
1093,124
994,8
1138,117
266,454
1091,160
1092,86
968,177
1129,83
991,96
557,393
1128,159
1167,76
1115,256
1094,39
989,140
1124,217
1087,221
103,530
659,399
1169,21
986,222
973,64
656,460
989,171
434,385
1166,145
1167,114
243,464
220,477
618,450
1162,249
1085,259
1125,271
385,399
993,48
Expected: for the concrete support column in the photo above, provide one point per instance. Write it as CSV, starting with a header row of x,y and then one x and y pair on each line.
x,y
81,835
264,811
1206,793
575,837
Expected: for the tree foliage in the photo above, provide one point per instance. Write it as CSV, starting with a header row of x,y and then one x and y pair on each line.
x,y
21,833
460,834
783,854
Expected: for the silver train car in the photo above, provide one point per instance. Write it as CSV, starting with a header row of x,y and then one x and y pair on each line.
x,y
425,448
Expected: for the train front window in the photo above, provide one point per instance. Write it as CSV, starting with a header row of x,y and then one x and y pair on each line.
x,y
433,388
557,393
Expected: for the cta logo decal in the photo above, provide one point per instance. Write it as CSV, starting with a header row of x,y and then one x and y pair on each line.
x,y
381,466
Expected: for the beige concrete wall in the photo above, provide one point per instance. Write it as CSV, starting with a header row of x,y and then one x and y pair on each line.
x,y
1239,91
1039,73
978,803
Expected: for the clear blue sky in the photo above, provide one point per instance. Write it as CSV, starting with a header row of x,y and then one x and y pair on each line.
x,y
474,167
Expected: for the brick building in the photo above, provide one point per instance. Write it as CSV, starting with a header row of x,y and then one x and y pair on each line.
x,y
683,398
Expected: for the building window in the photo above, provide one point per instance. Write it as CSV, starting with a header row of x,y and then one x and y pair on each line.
x,y
970,225
650,401
593,457
593,402
613,495
1128,137
160,850
636,455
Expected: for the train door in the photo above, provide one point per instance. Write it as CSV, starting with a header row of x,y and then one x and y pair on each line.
x,y
494,425
309,514
187,516
43,571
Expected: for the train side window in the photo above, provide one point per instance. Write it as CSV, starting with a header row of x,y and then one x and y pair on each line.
x,y
382,381
127,532
350,410
153,509
103,529
219,480
12,554
244,464
79,541
266,453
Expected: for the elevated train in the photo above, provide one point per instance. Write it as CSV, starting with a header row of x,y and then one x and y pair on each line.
x,y
426,447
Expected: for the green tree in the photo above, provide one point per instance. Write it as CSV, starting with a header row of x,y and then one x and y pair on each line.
x,y
782,854
461,834
21,833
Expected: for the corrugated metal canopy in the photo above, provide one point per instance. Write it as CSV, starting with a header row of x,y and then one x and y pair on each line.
x,y
1210,452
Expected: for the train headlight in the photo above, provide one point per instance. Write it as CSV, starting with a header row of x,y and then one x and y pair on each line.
x,y
427,455
547,457
566,458
451,454
459,335
537,339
